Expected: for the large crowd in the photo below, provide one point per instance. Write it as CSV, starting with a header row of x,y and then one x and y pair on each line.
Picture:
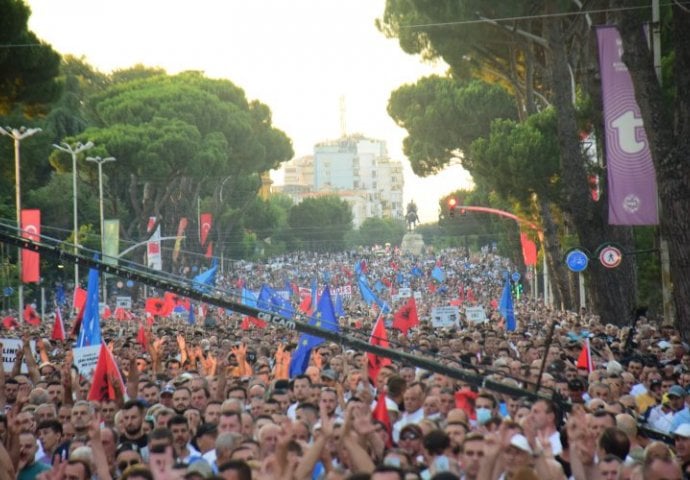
x,y
216,399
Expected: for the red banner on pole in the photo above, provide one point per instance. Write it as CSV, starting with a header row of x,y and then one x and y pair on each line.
x,y
31,261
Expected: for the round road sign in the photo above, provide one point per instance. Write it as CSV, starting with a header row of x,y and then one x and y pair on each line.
x,y
576,260
610,256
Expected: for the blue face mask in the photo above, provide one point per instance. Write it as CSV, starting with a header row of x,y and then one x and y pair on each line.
x,y
483,415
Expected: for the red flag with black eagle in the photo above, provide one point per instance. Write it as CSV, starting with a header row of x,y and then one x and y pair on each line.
x,y
379,338
406,316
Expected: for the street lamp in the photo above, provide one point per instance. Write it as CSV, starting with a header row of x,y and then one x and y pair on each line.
x,y
100,161
74,151
18,134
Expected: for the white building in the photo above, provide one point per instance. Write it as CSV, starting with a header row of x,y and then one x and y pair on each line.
x,y
355,168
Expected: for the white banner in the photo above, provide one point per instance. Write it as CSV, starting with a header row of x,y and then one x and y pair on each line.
x,y
86,358
404,292
153,247
10,346
445,317
475,314
123,302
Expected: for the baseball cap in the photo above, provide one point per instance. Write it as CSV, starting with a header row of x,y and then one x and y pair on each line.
x,y
683,430
676,390
168,389
329,374
520,441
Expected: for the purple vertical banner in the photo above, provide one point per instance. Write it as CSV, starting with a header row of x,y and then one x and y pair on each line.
x,y
631,176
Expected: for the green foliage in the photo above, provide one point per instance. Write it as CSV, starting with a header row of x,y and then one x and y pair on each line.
x,y
443,116
178,138
379,231
519,159
28,67
320,224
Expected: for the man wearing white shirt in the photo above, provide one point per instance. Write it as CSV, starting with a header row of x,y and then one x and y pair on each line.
x,y
544,416
301,390
413,399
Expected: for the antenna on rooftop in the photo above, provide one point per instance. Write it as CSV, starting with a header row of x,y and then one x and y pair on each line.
x,y
343,128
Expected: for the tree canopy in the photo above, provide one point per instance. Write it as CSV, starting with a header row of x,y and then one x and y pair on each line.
x,y
28,66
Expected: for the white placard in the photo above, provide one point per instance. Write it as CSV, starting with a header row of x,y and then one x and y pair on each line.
x,y
475,314
86,358
417,295
445,317
9,353
123,302
404,292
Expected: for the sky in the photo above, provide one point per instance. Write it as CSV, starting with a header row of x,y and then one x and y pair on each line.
x,y
299,57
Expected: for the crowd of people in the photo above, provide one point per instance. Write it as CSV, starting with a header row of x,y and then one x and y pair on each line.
x,y
215,400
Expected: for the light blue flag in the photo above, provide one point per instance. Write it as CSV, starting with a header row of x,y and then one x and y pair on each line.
x,y
90,332
368,295
438,274
205,279
323,318
505,306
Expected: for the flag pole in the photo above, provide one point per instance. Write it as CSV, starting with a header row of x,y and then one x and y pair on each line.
x,y
549,340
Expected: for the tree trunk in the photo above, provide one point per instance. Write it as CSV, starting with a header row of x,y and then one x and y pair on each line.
x,y
554,257
668,132
612,292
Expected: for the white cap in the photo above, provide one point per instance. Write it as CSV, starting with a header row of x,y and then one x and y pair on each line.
x,y
683,430
520,441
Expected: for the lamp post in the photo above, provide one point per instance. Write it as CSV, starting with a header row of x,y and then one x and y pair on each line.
x,y
74,151
18,134
100,161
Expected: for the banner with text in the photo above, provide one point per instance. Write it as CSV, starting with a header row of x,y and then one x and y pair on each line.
x,y
631,175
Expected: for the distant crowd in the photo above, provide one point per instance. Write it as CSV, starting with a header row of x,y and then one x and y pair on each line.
x,y
216,399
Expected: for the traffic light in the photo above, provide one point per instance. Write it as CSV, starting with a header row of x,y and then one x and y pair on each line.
x,y
452,202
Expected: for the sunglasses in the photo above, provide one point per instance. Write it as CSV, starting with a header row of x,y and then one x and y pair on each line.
x,y
409,436
123,465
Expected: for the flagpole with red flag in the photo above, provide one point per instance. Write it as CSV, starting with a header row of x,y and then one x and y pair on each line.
x,y
107,382
380,413
406,317
584,360
378,338
58,332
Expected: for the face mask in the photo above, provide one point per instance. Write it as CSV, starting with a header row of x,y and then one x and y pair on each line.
x,y
483,415
435,416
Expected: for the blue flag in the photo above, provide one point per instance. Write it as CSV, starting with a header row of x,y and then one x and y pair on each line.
x,y
191,319
206,279
438,274
314,293
505,306
379,286
60,295
416,272
270,300
323,318
90,332
249,298
368,295
339,310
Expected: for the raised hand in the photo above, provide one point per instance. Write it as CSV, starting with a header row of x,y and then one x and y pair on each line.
x,y
181,343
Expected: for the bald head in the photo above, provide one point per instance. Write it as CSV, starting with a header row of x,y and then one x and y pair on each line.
x,y
627,423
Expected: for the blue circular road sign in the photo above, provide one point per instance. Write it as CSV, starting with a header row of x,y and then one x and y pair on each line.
x,y
515,276
577,260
